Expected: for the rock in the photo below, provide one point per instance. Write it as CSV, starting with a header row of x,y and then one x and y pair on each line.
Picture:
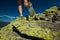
x,y
32,27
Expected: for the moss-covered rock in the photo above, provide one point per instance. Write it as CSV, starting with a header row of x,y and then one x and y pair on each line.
x,y
38,28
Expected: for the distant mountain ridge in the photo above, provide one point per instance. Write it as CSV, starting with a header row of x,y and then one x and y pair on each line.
x,y
6,18
3,23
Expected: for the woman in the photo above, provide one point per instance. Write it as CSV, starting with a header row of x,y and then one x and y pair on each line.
x,y
26,3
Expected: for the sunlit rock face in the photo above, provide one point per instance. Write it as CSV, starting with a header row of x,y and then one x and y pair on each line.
x,y
34,26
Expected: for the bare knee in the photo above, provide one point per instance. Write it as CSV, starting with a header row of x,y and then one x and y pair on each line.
x,y
26,3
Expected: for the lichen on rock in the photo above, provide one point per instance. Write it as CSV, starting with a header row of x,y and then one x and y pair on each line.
x,y
38,28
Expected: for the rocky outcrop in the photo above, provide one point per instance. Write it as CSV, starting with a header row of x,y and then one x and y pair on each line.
x,y
32,26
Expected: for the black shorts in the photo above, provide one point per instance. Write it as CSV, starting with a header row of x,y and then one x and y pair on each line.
x,y
20,2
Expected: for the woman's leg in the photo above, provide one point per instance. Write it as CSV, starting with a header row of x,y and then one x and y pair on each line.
x,y
20,7
26,2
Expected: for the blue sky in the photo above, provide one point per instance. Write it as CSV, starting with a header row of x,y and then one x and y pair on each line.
x,y
10,7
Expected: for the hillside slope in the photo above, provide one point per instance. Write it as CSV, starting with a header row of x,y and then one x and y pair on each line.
x,y
33,27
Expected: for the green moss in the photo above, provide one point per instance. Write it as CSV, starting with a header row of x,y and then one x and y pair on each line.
x,y
37,28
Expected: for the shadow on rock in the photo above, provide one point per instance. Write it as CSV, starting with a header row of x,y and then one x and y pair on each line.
x,y
25,36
